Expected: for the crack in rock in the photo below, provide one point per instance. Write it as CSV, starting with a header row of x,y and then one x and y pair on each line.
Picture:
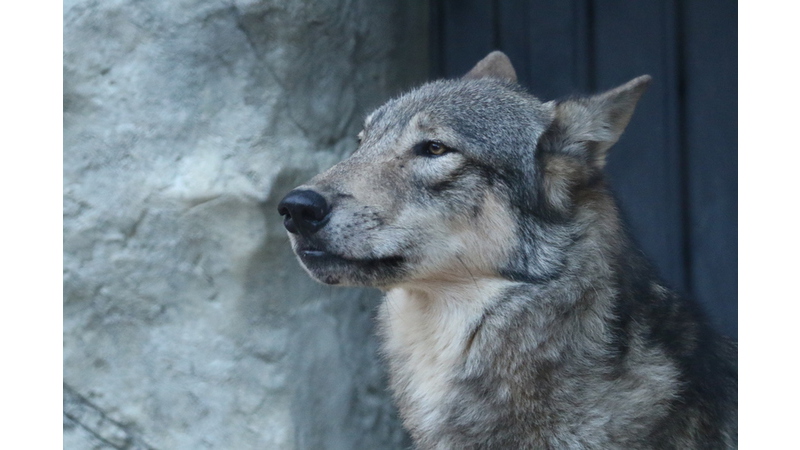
x,y
82,412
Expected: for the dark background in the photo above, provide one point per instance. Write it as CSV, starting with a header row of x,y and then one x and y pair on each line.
x,y
674,171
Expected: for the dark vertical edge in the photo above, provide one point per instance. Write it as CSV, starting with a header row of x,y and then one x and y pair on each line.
x,y
677,23
511,31
436,39
674,140
496,25
467,34
675,135
584,37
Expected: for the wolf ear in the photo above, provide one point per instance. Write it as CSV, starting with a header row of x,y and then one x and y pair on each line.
x,y
495,65
594,124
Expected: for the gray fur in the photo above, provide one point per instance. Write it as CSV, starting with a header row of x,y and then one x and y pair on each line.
x,y
518,314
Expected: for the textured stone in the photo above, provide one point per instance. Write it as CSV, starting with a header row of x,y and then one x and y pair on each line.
x,y
187,321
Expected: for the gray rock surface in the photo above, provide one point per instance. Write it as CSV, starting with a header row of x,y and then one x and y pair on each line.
x,y
188,324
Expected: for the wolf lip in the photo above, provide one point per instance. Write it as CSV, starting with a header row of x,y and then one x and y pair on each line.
x,y
313,253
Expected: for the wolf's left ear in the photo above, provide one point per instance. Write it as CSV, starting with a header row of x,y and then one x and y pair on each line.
x,y
595,123
494,65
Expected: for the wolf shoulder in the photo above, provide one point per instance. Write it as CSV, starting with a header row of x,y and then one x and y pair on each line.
x,y
646,371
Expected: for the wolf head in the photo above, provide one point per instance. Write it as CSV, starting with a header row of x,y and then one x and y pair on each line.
x,y
459,179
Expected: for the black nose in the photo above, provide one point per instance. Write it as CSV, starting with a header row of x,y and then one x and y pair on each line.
x,y
304,212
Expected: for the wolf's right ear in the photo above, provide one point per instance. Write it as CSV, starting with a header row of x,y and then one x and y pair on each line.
x,y
589,126
495,65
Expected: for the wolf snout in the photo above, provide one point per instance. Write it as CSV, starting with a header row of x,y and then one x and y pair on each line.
x,y
304,212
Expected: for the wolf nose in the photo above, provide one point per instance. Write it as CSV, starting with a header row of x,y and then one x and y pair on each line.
x,y
304,212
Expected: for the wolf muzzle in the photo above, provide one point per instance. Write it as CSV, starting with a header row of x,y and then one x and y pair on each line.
x,y
304,212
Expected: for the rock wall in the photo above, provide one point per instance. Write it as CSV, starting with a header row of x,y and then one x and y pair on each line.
x,y
188,324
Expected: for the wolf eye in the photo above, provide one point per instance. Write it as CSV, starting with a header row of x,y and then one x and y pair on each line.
x,y
433,148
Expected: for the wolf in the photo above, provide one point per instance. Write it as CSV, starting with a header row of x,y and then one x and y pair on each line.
x,y
518,314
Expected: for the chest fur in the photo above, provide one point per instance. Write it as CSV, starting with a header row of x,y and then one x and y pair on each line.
x,y
426,337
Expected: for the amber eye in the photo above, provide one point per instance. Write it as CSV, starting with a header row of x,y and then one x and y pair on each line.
x,y
436,148
432,149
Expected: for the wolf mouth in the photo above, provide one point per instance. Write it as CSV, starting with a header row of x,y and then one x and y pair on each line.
x,y
322,257
317,258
